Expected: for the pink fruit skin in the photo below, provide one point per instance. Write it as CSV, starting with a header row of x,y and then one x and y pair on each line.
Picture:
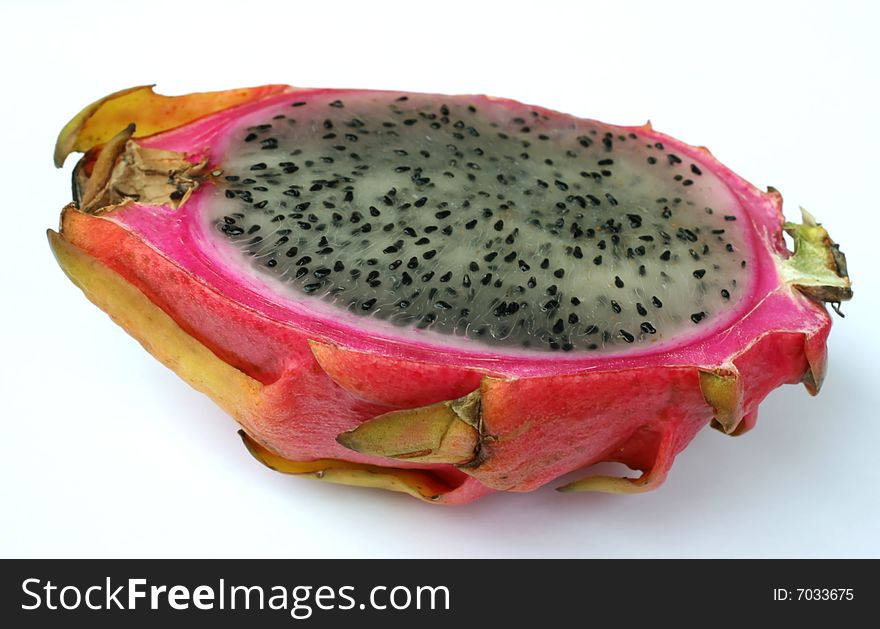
x,y
545,416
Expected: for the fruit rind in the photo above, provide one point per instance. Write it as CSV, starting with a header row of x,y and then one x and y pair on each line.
x,y
722,391
447,432
415,483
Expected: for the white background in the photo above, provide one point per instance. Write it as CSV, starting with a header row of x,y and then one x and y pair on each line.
x,y
106,453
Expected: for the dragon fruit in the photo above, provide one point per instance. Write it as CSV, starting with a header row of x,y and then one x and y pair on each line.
x,y
443,295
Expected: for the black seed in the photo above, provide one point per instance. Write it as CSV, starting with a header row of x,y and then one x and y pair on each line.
x,y
657,303
698,316
626,336
635,220
618,282
725,293
641,309
616,307
686,234
699,273
647,328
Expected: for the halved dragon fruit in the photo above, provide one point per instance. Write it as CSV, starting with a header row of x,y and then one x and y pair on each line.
x,y
442,295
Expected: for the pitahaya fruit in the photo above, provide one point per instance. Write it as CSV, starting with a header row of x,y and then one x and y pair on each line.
x,y
442,295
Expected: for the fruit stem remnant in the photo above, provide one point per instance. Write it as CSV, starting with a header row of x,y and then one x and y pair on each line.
x,y
817,267
125,171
